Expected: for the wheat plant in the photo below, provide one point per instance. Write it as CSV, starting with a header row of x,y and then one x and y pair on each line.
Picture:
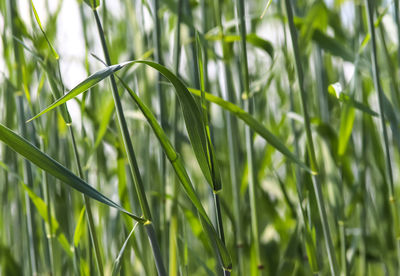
x,y
177,137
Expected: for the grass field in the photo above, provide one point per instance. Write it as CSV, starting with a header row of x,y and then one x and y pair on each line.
x,y
199,137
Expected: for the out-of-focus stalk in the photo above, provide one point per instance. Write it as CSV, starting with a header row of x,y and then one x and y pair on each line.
x,y
310,144
248,104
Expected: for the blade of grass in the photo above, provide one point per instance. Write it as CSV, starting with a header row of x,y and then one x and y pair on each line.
x,y
212,162
117,263
233,142
248,103
163,120
28,176
45,162
375,72
255,125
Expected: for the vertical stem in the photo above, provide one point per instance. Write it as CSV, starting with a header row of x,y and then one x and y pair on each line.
x,y
28,205
28,178
362,168
397,20
211,158
124,127
249,135
219,219
321,82
174,226
131,156
89,214
233,143
49,226
310,145
188,10
375,73
342,227
161,115
309,242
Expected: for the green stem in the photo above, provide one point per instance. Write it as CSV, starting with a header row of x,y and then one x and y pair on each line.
x,y
131,155
49,226
309,242
249,136
233,143
211,158
28,205
89,214
397,20
375,73
310,145
28,178
342,227
162,110
188,10
174,220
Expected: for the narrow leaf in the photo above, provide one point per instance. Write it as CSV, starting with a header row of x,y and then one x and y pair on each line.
x,y
82,87
255,125
45,162
79,227
117,262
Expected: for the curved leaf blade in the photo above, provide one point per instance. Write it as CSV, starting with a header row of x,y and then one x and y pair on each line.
x,y
45,162
192,116
254,125
89,82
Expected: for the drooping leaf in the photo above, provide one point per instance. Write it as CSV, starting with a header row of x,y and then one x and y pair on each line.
x,y
195,127
181,173
255,125
191,112
251,38
212,161
45,162
332,46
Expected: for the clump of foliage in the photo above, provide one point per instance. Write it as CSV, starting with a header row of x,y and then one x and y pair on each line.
x,y
204,138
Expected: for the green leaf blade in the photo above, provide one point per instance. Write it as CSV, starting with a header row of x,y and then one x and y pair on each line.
x,y
45,162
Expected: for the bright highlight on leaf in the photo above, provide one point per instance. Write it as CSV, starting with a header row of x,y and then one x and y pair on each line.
x,y
336,90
